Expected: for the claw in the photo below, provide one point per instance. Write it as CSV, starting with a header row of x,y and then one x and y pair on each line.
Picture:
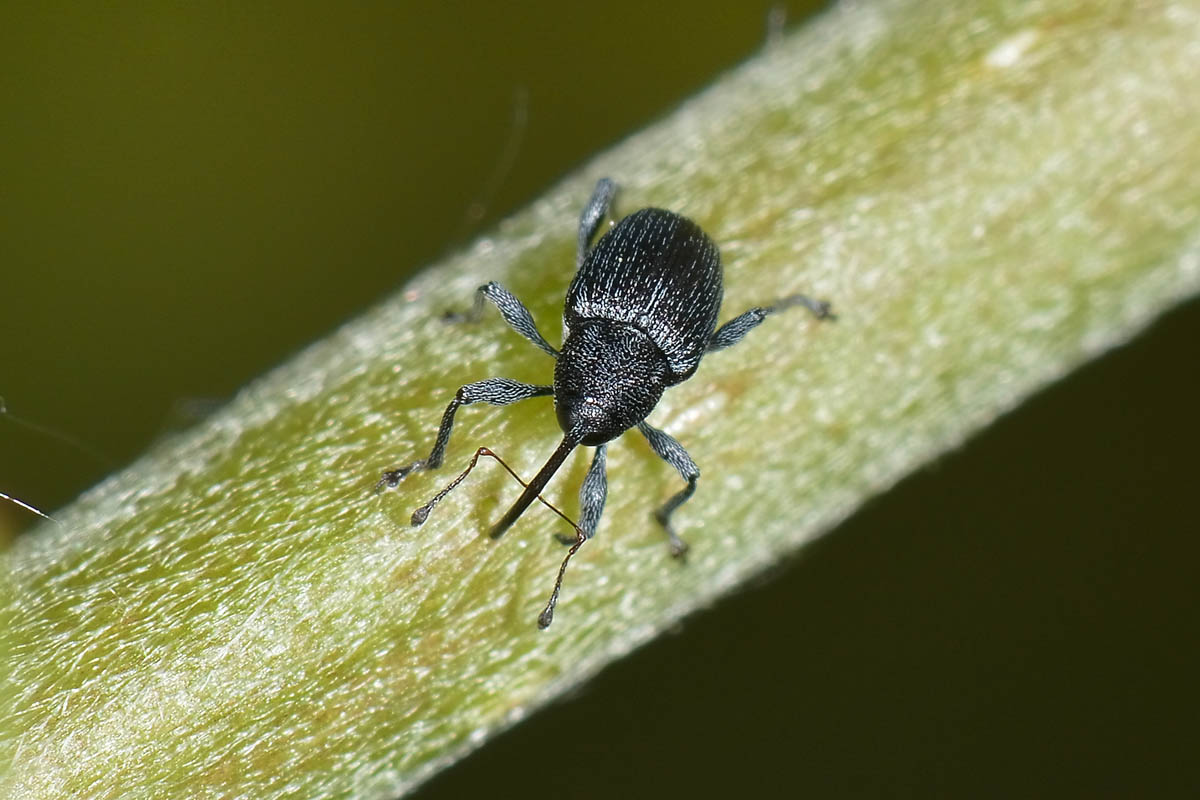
x,y
391,479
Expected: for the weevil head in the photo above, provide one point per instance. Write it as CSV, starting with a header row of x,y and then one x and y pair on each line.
x,y
608,377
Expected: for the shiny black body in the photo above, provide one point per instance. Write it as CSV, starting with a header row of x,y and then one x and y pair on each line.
x,y
639,315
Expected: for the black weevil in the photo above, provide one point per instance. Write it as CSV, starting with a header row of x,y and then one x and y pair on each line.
x,y
639,315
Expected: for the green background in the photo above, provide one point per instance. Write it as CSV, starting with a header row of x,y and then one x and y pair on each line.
x,y
188,194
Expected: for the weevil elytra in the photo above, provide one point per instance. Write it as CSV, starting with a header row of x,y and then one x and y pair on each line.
x,y
639,315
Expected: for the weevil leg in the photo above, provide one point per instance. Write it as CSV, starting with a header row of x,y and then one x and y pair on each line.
x,y
732,332
591,505
494,391
593,214
513,310
592,495
673,453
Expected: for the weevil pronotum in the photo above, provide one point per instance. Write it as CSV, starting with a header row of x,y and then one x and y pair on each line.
x,y
639,315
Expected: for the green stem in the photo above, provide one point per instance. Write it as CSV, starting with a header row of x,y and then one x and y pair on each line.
x,y
989,192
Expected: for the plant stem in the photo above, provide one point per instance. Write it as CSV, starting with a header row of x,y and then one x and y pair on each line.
x,y
989,192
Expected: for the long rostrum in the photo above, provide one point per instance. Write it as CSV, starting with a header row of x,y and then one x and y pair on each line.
x,y
535,486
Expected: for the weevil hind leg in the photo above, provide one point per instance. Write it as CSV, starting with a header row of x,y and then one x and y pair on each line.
x,y
821,309
673,453
494,391
593,214
732,331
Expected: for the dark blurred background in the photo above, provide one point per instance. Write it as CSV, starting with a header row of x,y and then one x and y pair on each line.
x,y
192,193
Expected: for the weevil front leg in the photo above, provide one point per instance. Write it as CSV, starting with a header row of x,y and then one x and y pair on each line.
x,y
732,332
593,492
494,391
673,453
591,505
592,495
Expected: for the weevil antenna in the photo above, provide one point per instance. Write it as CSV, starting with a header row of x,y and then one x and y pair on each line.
x,y
547,615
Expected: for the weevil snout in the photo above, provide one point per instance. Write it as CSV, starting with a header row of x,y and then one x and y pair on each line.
x,y
589,418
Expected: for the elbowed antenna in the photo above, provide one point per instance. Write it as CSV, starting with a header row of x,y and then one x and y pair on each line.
x,y
535,486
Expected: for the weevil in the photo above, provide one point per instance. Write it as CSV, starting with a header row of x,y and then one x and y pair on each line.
x,y
639,315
